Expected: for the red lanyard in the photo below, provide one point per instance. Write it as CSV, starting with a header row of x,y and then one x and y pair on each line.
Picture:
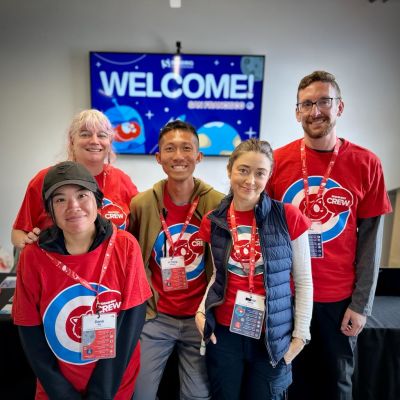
x,y
105,168
187,220
325,177
72,274
252,260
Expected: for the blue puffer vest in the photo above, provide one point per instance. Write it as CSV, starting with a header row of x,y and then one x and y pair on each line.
x,y
277,255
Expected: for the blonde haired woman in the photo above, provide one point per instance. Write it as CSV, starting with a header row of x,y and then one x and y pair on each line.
x,y
89,143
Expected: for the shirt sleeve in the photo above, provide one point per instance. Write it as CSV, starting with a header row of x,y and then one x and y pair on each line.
x,y
303,287
45,365
205,228
25,310
130,188
296,221
31,213
369,248
136,289
375,200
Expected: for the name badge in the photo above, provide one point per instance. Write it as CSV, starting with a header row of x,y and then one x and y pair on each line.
x,y
173,273
315,240
98,336
248,314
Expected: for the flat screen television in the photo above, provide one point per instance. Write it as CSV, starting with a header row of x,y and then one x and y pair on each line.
x,y
220,95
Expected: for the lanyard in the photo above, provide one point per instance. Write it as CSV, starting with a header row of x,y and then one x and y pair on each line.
x,y
325,177
252,260
72,274
105,171
187,220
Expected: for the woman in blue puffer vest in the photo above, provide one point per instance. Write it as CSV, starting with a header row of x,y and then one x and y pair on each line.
x,y
249,326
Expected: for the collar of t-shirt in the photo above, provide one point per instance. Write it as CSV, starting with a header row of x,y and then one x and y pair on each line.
x,y
52,239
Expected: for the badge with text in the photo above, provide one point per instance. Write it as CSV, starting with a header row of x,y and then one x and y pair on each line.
x,y
98,336
173,273
248,314
315,240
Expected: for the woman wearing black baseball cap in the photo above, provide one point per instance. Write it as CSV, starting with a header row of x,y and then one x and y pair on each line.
x,y
81,295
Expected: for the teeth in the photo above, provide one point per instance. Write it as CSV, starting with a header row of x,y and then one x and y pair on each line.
x,y
178,167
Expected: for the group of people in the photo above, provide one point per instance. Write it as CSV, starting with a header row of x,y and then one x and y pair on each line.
x,y
279,274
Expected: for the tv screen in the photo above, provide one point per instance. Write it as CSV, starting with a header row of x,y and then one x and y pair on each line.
x,y
220,95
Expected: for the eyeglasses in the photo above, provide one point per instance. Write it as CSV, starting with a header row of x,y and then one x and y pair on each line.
x,y
325,103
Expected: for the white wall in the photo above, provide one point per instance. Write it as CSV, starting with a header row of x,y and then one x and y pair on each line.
x,y
44,73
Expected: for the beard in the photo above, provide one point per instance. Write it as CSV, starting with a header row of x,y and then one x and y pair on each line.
x,y
320,132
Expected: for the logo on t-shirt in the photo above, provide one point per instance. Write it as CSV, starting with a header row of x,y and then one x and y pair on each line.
x,y
238,262
332,209
190,247
62,319
114,213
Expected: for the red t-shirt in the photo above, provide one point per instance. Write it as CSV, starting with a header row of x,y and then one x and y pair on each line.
x,y
117,187
186,301
355,189
237,276
45,295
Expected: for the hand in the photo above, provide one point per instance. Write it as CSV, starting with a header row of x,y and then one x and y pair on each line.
x,y
295,347
200,320
20,238
352,323
32,236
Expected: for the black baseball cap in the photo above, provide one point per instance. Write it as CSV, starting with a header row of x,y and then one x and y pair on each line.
x,y
69,173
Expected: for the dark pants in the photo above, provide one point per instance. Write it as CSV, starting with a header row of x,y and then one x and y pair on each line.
x,y
323,370
239,368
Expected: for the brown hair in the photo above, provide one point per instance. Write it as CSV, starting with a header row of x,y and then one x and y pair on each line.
x,y
256,145
318,76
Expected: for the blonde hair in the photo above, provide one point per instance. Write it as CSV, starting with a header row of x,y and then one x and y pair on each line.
x,y
92,120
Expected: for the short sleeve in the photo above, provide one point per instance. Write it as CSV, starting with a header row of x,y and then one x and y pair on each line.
x,y
375,201
296,221
26,307
32,213
205,228
136,289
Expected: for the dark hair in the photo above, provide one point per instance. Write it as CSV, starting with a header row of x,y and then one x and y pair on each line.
x,y
318,76
256,145
178,125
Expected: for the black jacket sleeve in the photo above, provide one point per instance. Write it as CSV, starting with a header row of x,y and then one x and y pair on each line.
x,y
44,364
107,375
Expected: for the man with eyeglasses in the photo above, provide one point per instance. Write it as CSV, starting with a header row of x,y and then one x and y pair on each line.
x,y
340,187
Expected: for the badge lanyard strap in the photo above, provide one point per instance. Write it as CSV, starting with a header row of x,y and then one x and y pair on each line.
x,y
187,220
72,274
325,177
104,178
252,260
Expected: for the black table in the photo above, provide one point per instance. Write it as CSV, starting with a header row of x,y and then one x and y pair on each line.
x,y
17,380
377,373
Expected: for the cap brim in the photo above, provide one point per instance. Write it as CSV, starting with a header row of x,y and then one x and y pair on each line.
x,y
85,184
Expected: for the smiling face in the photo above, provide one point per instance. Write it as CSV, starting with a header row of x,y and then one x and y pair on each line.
x,y
74,209
248,177
179,154
90,147
319,124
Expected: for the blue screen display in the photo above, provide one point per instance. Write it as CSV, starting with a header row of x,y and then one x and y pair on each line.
x,y
221,95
